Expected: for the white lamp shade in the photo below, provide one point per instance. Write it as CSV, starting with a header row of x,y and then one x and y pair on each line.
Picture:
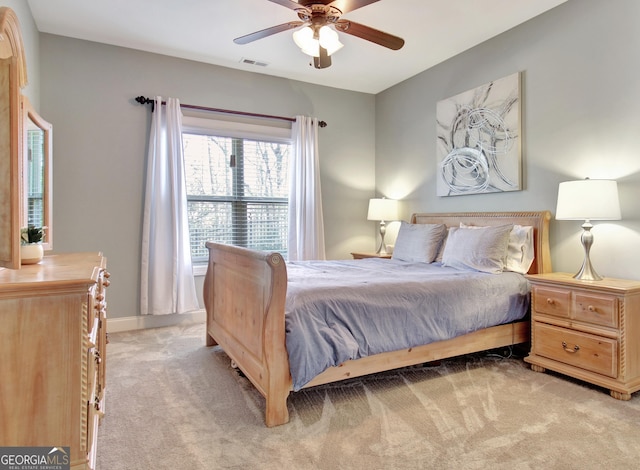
x,y
588,200
382,209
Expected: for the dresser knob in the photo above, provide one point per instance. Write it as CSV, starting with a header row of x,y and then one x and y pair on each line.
x,y
550,301
591,308
575,349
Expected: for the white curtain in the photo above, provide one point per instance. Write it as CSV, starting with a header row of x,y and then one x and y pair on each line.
x,y
167,283
306,227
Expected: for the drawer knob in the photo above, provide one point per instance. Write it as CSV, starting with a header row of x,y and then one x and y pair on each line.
x,y
591,308
550,301
575,349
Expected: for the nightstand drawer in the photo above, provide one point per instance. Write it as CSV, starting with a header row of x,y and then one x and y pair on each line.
x,y
601,310
590,352
552,301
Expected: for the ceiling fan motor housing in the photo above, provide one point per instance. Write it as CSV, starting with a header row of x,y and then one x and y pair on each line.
x,y
319,15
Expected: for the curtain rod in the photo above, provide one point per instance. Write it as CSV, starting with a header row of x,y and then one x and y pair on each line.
x,y
144,100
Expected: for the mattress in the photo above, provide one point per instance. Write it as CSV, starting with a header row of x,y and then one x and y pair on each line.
x,y
341,310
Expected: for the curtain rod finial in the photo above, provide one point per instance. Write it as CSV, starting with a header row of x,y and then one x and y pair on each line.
x,y
143,100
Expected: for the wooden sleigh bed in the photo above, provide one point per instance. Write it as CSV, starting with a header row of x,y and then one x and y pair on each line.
x,y
245,293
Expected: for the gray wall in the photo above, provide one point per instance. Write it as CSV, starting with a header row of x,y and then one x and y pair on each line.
x,y
581,89
100,141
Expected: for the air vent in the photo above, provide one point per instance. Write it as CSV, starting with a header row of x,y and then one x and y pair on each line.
x,y
253,62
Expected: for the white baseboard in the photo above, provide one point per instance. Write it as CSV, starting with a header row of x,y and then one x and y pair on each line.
x,y
141,322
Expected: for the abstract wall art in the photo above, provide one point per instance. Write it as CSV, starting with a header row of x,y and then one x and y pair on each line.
x,y
479,139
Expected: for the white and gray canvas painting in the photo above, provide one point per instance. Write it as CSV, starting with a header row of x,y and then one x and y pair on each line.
x,y
478,132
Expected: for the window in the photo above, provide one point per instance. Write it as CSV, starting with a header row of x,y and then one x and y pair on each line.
x,y
237,185
35,172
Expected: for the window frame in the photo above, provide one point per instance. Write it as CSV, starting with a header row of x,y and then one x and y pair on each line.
x,y
193,124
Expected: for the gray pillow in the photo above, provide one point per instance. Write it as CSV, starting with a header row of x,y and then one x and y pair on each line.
x,y
418,242
479,248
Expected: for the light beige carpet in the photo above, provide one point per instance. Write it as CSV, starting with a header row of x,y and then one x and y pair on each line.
x,y
174,404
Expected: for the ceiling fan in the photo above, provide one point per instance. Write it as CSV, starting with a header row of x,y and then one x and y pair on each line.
x,y
316,38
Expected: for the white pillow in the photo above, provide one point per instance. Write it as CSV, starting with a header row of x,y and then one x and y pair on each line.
x,y
520,252
418,242
479,248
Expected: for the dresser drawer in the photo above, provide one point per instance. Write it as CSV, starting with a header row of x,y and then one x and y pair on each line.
x,y
552,301
583,350
601,310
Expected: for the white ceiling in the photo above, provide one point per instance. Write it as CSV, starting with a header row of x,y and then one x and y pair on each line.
x,y
203,30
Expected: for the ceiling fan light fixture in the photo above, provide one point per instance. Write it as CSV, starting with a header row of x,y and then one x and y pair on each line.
x,y
310,45
329,40
305,41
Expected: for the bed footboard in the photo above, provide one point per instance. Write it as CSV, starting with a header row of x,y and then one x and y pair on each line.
x,y
244,295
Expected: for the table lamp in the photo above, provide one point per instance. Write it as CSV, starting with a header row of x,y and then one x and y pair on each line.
x,y
588,200
382,209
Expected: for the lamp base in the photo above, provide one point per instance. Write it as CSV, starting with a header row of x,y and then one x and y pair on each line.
x,y
382,249
587,273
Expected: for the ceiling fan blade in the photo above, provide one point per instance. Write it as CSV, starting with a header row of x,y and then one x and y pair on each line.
x,y
289,4
323,61
346,6
370,34
263,33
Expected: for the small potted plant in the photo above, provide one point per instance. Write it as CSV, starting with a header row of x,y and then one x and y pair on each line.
x,y
31,251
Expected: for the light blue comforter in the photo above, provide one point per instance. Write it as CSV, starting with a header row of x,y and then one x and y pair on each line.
x,y
341,310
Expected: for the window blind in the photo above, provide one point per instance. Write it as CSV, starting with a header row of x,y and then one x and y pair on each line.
x,y
237,191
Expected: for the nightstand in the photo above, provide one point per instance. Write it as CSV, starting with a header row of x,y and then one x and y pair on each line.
x,y
370,255
589,330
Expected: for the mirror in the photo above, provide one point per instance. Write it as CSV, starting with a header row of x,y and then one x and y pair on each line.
x,y
37,143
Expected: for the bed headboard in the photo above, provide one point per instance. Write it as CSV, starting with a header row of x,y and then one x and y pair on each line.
x,y
538,220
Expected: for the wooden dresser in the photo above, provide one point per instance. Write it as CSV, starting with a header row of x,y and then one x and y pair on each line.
x,y
52,354
589,330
